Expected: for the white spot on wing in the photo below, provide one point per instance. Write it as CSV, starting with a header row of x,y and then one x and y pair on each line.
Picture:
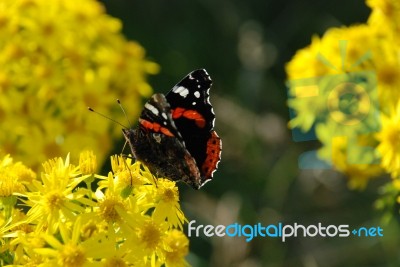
x,y
164,115
197,94
194,103
182,91
151,108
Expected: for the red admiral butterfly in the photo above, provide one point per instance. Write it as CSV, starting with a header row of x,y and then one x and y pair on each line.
x,y
175,136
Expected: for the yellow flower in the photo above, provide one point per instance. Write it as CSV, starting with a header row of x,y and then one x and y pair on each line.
x,y
23,243
52,199
295,68
365,55
323,64
389,142
151,234
128,174
178,248
69,225
386,16
149,239
121,256
50,72
166,206
13,177
324,55
87,162
70,251
9,185
388,72
112,207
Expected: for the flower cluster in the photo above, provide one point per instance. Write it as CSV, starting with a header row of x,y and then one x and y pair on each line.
x,y
57,58
356,114
56,219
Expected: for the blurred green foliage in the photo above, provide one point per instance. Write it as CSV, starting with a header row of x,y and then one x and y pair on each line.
x,y
244,46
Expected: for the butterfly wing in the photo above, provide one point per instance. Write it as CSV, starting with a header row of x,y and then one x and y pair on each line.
x,y
194,118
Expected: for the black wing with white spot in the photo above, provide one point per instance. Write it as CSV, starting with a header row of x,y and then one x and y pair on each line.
x,y
192,93
194,118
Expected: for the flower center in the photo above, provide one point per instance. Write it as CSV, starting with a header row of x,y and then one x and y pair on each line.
x,y
115,262
150,236
54,200
169,195
389,75
108,211
72,256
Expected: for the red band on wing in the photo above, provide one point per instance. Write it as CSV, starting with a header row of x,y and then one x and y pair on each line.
x,y
213,155
155,127
189,114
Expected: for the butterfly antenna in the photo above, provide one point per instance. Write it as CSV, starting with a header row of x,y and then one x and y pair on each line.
x,y
104,116
123,110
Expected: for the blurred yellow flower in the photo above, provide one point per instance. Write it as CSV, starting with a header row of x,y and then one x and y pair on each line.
x,y
324,63
9,184
388,74
323,56
178,245
365,55
386,16
57,58
389,142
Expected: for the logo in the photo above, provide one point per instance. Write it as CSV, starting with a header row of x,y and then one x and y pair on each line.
x,y
175,137
281,231
347,101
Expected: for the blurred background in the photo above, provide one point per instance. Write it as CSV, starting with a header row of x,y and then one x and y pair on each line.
x,y
244,45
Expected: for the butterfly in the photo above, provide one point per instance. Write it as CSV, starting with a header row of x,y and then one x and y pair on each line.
x,y
175,136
